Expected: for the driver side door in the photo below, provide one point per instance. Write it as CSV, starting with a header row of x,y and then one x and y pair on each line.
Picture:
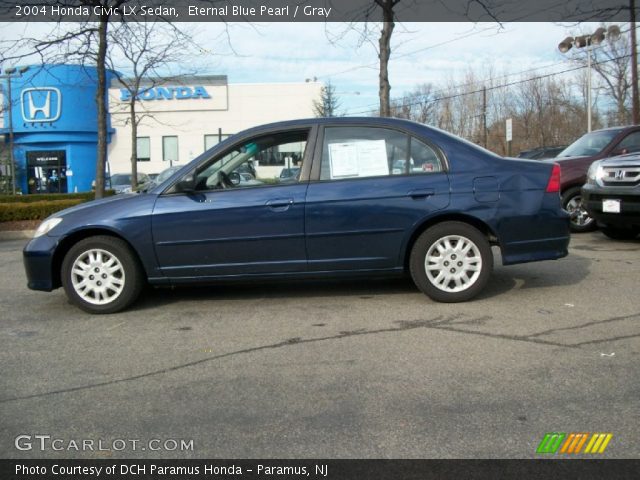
x,y
252,226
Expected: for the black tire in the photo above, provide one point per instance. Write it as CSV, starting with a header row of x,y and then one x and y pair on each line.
x,y
115,274
447,290
617,233
580,220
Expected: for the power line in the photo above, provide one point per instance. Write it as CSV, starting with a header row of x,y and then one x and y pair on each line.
x,y
495,87
430,47
446,42
372,106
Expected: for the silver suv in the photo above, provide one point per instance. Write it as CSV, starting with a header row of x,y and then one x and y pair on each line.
x,y
612,195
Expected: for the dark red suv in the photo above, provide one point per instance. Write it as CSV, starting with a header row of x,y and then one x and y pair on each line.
x,y
575,161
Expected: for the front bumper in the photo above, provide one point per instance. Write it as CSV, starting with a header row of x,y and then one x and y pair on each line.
x,y
38,257
629,197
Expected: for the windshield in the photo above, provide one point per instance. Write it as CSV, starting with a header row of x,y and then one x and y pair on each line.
x,y
166,174
120,179
589,144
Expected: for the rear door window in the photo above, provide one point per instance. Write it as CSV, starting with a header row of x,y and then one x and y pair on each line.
x,y
361,152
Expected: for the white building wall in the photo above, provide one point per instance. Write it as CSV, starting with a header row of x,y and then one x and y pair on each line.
x,y
232,108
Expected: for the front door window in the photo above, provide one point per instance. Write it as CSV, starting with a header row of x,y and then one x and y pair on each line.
x,y
265,161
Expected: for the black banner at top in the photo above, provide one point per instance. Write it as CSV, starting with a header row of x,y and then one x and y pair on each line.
x,y
313,10
317,469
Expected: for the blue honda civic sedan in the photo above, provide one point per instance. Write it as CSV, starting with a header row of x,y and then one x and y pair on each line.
x,y
370,197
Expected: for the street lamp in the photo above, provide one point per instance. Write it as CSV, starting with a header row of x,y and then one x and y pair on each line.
x,y
596,38
10,73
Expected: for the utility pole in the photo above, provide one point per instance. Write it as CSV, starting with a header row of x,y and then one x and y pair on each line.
x,y
634,65
9,74
484,117
12,160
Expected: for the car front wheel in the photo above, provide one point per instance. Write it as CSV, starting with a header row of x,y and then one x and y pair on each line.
x,y
580,220
101,275
451,262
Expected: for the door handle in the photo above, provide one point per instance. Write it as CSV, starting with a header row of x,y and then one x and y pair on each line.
x,y
421,193
280,204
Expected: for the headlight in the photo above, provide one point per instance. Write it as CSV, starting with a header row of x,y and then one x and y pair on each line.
x,y
46,226
595,173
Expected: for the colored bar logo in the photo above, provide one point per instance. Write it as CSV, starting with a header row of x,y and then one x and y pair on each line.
x,y
572,443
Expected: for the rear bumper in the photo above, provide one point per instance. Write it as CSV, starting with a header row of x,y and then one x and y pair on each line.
x,y
535,250
543,235
37,257
629,216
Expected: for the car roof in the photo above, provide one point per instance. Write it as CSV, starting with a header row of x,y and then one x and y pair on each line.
x,y
616,129
374,121
409,126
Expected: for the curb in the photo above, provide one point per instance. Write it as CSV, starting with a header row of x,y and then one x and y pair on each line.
x,y
16,235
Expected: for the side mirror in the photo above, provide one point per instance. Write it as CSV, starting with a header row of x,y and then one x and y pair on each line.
x,y
619,151
235,178
187,183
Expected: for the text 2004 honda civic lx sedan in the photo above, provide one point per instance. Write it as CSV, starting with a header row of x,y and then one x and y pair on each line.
x,y
371,197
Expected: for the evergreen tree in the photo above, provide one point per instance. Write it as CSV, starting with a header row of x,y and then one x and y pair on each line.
x,y
328,104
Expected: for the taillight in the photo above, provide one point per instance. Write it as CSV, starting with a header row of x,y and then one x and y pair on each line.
x,y
553,186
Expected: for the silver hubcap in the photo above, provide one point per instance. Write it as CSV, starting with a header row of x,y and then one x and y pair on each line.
x,y
578,214
97,276
453,263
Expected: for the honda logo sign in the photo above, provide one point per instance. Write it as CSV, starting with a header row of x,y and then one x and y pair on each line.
x,y
41,104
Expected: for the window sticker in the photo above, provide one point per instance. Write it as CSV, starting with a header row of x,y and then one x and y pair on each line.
x,y
358,159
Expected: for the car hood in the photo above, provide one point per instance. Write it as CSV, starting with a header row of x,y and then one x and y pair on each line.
x,y
623,161
116,201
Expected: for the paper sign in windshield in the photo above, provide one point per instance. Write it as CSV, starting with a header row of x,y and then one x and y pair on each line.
x,y
358,159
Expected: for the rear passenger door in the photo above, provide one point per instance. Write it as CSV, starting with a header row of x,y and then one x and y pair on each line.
x,y
372,185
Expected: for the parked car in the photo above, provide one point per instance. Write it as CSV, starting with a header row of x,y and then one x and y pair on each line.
x,y
162,176
541,153
612,195
576,159
121,182
289,174
347,214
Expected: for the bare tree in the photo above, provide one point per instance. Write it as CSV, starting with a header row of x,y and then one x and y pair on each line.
x,y
545,110
145,50
384,53
367,31
419,105
83,42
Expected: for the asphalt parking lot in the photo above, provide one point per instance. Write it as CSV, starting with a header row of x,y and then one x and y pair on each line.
x,y
340,370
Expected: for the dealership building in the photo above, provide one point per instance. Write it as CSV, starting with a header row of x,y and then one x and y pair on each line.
x,y
52,114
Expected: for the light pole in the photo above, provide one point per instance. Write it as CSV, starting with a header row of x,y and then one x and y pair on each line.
x,y
596,38
8,74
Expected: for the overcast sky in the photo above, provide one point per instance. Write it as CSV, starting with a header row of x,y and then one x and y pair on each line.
x,y
421,52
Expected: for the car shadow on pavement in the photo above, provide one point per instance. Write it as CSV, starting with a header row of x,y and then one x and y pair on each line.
x,y
568,271
367,288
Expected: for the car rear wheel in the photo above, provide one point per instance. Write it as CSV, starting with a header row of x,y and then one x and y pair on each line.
x,y
101,275
451,262
580,220
620,233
